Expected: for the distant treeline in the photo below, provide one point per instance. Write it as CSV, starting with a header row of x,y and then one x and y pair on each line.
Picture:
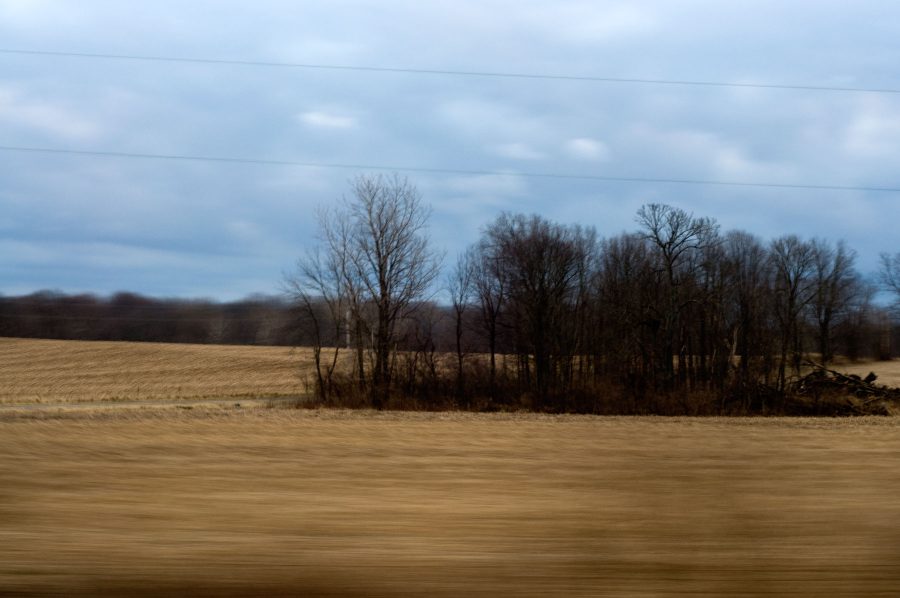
x,y
125,316
131,317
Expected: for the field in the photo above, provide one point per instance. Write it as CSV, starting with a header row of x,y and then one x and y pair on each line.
x,y
279,502
48,371
221,500
56,372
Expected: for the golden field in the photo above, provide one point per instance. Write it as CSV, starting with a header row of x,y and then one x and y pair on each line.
x,y
218,500
49,371
258,502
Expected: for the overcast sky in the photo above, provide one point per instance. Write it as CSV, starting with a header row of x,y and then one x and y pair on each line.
x,y
218,230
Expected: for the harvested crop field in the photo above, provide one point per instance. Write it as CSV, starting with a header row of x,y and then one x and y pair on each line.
x,y
221,502
143,493
49,371
58,372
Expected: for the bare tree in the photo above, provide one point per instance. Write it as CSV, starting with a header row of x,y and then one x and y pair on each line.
x,y
859,331
626,301
889,277
889,273
544,265
792,267
748,264
835,287
459,284
675,234
337,235
392,261
328,298
490,286
372,268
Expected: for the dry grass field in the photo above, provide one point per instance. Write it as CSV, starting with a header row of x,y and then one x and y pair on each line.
x,y
261,502
224,501
48,371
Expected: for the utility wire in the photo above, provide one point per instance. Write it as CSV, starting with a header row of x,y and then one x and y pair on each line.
x,y
449,171
447,72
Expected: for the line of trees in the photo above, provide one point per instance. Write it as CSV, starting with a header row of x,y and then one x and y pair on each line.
x,y
131,317
676,316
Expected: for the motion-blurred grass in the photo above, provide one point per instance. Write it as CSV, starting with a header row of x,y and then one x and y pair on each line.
x,y
286,502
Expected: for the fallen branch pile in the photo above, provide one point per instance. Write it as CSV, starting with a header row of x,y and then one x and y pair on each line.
x,y
848,393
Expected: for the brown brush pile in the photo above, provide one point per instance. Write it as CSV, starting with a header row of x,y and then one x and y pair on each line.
x,y
829,392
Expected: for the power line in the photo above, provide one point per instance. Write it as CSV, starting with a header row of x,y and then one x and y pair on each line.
x,y
445,171
448,72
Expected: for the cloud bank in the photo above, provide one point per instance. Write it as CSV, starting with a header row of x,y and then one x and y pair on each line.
x,y
185,228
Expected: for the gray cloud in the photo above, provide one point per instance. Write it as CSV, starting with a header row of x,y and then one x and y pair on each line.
x,y
225,230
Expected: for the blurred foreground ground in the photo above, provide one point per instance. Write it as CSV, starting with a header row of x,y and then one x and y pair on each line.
x,y
238,501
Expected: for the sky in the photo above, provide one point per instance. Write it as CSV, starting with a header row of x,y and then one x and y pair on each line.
x,y
220,230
